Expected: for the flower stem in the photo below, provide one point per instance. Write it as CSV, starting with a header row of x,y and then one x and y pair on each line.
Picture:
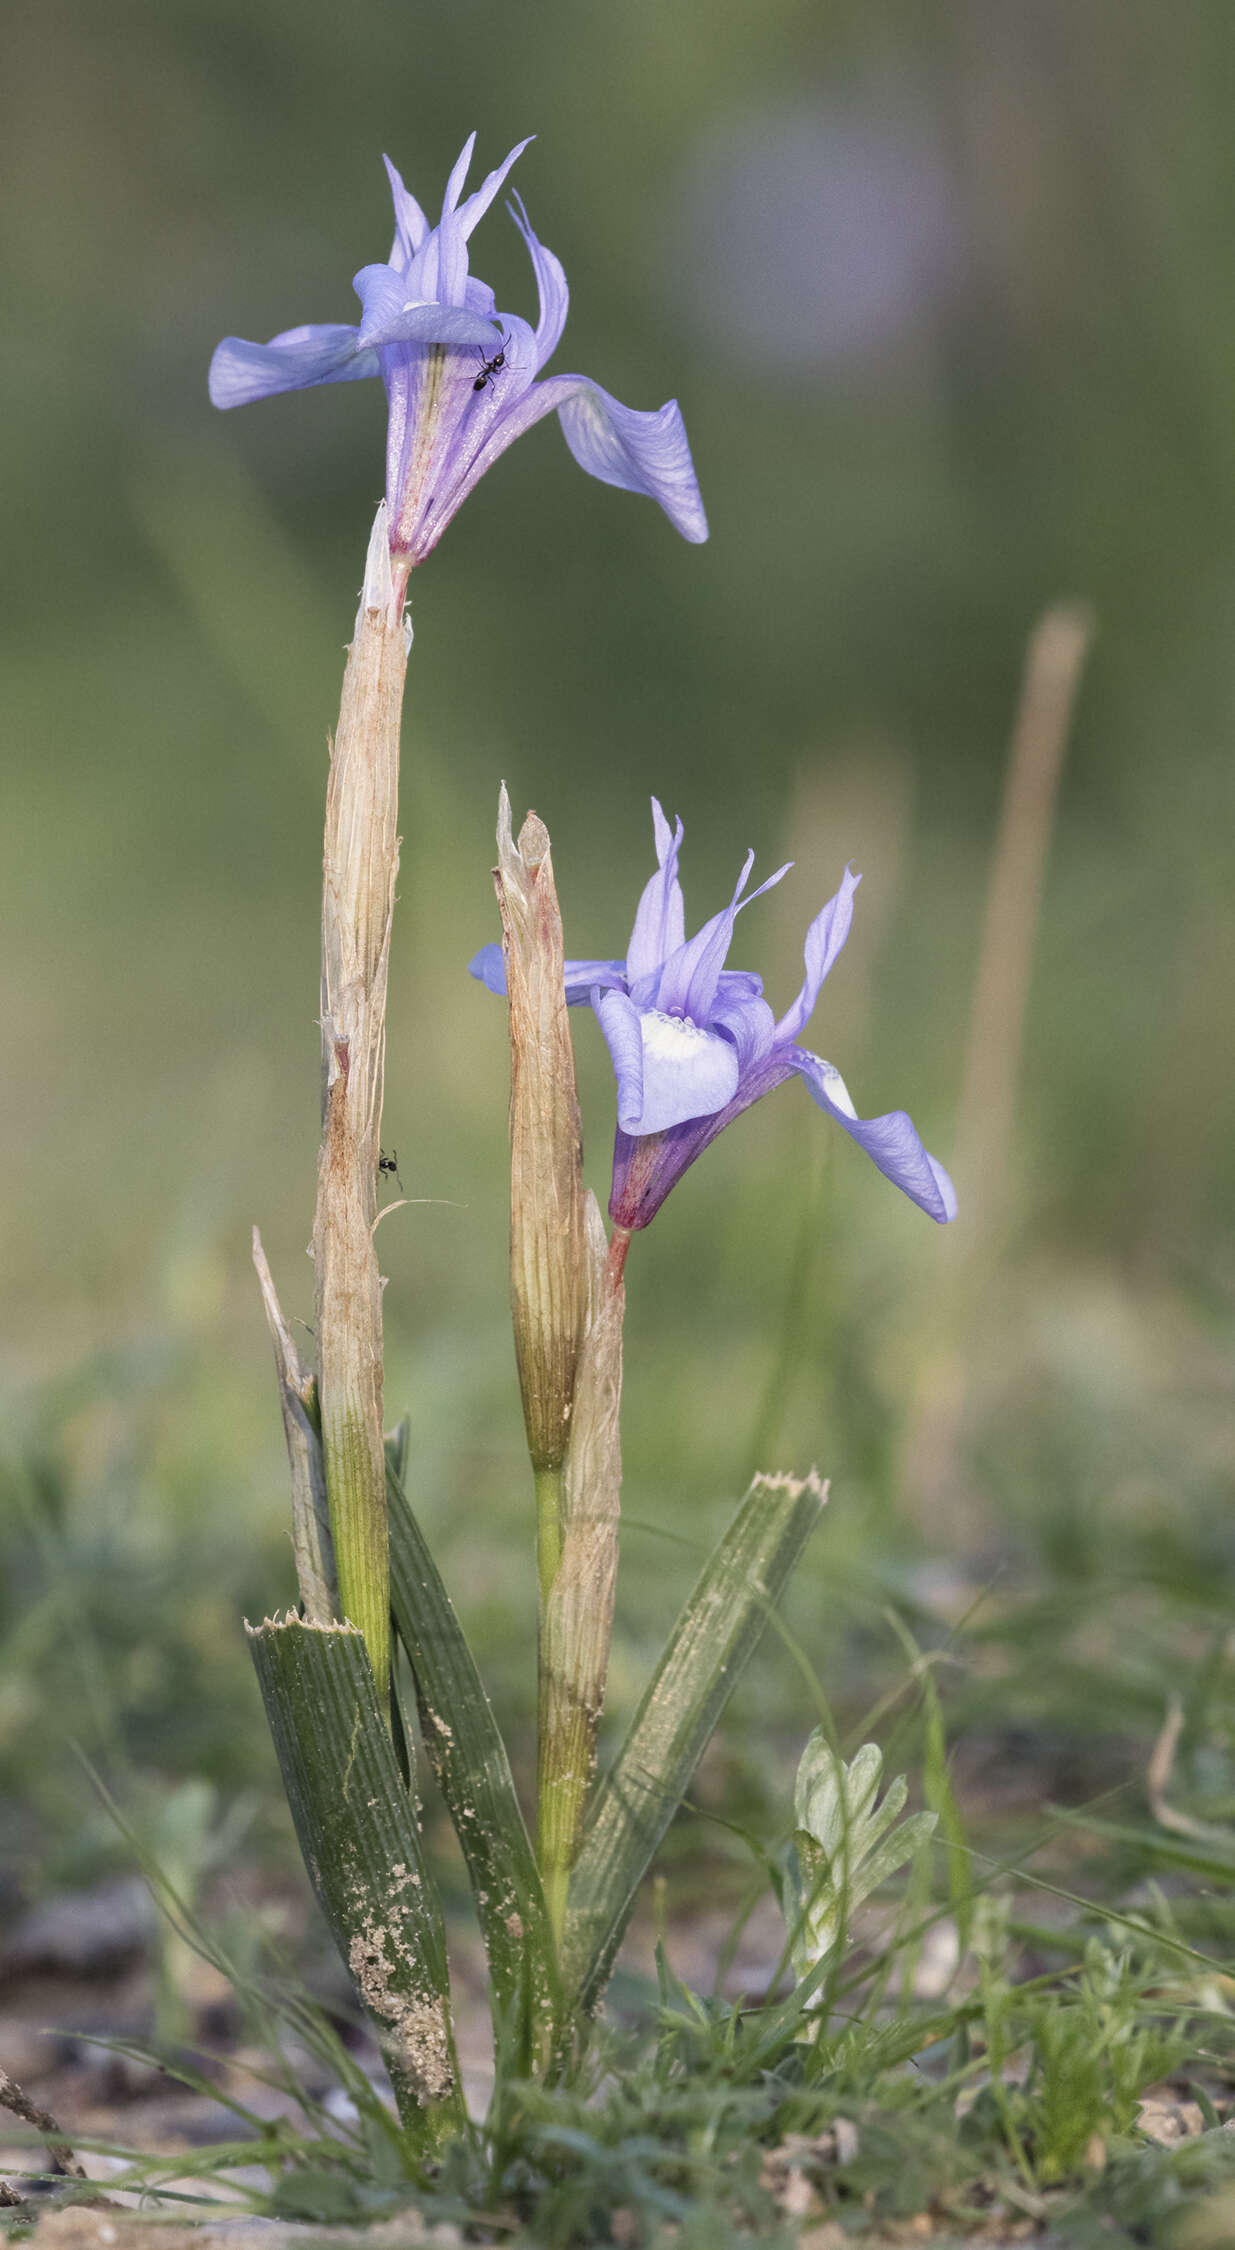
x,y
618,1246
360,863
548,1528
576,1609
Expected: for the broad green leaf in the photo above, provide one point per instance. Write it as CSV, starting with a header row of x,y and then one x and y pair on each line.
x,y
706,1653
358,1835
469,1759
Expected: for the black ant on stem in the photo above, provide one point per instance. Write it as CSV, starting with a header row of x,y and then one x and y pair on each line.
x,y
388,1167
492,366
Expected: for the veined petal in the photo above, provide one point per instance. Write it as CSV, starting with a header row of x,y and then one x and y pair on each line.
x,y
660,919
440,268
891,1142
620,1023
390,316
322,352
824,940
411,225
684,1071
640,452
748,1023
739,984
583,978
552,290
518,412
690,979
477,204
459,171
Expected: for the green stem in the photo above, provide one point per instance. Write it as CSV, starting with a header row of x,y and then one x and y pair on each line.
x,y
551,1838
578,1544
358,1514
548,1528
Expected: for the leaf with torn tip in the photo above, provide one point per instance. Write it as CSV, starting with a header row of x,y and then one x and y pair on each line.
x,y
358,1836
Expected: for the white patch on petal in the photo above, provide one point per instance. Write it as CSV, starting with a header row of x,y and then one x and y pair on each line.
x,y
835,1088
687,1072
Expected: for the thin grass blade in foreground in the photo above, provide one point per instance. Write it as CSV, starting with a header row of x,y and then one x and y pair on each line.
x,y
469,1759
312,1544
357,1831
705,1656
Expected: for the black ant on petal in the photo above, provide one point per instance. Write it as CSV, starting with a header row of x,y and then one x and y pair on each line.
x,y
492,366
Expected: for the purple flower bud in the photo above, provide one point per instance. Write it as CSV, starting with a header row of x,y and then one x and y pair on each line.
x,y
460,376
693,1043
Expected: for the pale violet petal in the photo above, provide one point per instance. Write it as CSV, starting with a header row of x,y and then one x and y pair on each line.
x,y
440,267
471,212
891,1142
489,968
411,225
691,977
640,452
583,978
521,412
685,1071
824,940
748,1023
322,352
620,1023
660,919
393,314
551,285
461,168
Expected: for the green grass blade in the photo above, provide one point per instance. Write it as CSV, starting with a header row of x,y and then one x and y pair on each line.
x,y
357,1832
469,1758
706,1653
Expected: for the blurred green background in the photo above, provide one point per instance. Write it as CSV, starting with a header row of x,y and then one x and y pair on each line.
x,y
948,298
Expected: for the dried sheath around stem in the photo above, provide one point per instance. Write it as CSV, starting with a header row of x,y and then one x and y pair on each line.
x,y
547,1284
568,1342
577,1614
360,863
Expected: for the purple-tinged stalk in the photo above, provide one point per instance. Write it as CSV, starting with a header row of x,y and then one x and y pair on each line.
x,y
359,866
567,1312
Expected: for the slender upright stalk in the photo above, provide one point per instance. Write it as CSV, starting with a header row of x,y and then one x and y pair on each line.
x,y
567,1301
360,863
576,1618
1054,666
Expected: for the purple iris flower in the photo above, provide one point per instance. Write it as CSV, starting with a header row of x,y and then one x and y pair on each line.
x,y
460,376
694,1043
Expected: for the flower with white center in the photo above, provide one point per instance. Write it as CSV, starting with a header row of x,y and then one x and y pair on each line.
x,y
694,1043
